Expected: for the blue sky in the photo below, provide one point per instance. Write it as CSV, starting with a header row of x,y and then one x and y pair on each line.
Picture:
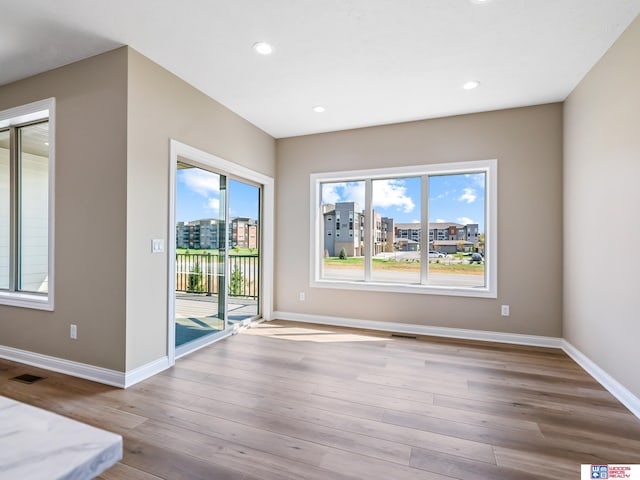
x,y
198,196
452,198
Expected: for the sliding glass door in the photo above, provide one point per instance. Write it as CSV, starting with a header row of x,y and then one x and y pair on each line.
x,y
244,251
217,273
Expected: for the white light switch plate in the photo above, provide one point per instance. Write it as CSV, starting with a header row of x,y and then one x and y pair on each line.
x,y
157,245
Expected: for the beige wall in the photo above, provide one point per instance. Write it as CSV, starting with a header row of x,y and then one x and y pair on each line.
x,y
602,198
160,107
90,228
115,115
528,145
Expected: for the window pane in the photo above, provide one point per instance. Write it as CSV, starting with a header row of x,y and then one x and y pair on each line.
x,y
4,210
343,230
244,260
396,233
456,230
34,208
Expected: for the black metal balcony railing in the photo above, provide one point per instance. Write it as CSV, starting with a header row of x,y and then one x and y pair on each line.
x,y
201,273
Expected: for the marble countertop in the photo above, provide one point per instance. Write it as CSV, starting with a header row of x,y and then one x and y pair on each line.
x,y
37,444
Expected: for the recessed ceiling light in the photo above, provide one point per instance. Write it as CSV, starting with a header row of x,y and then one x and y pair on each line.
x,y
46,143
319,109
480,2
263,48
471,84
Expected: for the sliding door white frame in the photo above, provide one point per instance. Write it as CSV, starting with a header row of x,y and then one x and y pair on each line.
x,y
208,161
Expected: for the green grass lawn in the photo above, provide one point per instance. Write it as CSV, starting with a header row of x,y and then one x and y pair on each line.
x,y
391,264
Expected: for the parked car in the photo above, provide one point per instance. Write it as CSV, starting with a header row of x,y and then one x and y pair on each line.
x,y
476,257
434,254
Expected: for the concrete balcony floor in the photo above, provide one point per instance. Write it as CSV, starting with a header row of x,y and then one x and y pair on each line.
x,y
197,315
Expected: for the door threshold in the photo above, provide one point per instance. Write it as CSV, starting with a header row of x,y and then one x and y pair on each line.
x,y
191,347
195,345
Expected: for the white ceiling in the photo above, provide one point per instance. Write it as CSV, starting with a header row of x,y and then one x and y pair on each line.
x,y
368,62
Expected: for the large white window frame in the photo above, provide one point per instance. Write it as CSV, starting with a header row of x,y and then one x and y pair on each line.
x,y
488,167
40,111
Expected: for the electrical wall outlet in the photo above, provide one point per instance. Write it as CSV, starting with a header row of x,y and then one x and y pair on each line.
x,y
73,331
301,296
505,310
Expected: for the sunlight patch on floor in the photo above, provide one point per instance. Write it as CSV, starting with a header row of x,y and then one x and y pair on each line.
x,y
309,334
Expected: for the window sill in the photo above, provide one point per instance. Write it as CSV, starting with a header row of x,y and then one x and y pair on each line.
x,y
477,292
27,300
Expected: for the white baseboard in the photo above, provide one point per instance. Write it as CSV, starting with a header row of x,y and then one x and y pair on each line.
x,y
614,387
145,371
83,370
68,367
514,338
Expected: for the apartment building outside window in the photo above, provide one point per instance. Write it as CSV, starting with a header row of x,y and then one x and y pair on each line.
x,y
26,205
454,203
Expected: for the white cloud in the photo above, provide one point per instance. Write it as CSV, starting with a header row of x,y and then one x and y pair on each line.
x,y
440,220
354,192
330,192
415,221
465,220
203,183
468,196
392,193
214,204
386,194
343,192
200,181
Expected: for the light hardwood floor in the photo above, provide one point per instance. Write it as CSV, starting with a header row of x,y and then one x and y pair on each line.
x,y
294,401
